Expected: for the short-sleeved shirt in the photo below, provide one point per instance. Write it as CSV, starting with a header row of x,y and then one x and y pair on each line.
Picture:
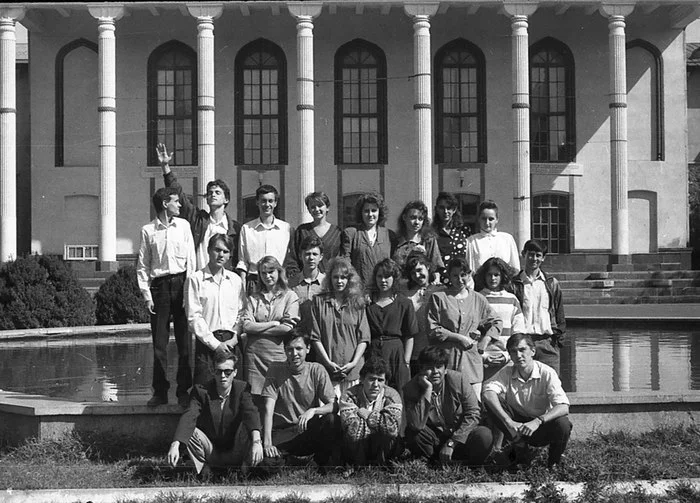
x,y
532,397
295,393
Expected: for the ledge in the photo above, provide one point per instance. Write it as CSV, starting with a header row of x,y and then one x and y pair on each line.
x,y
556,168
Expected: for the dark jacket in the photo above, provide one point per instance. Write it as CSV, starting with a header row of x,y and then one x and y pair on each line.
x,y
199,220
204,412
556,305
460,406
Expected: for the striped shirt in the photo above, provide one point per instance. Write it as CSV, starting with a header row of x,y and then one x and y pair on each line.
x,y
507,307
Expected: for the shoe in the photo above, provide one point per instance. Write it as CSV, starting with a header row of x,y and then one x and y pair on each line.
x,y
157,400
183,401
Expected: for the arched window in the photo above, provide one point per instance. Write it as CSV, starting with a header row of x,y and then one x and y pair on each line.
x,y
460,103
172,106
360,104
550,221
645,101
260,85
77,127
552,102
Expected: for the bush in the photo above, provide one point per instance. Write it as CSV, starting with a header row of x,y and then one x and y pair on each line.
x,y
119,300
41,291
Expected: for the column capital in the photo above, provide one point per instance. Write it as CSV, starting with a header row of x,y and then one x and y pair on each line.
x,y
206,10
14,13
304,10
520,8
623,9
112,11
421,10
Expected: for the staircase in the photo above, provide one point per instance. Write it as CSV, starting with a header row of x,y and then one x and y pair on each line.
x,y
661,278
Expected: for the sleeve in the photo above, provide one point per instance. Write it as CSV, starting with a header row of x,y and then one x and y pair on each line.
x,y
558,305
470,253
346,240
417,407
363,334
292,263
290,316
514,256
353,425
387,421
490,324
314,325
409,322
497,384
249,412
243,257
188,421
433,313
194,309
434,254
242,306
517,322
249,311
187,209
324,387
555,392
393,241
470,411
143,267
191,256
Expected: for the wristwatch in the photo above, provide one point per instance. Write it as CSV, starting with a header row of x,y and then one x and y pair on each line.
x,y
450,443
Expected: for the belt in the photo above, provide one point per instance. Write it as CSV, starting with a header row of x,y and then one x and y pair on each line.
x,y
223,335
540,337
168,277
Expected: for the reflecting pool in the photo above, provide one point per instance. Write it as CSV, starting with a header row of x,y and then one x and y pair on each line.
x,y
598,357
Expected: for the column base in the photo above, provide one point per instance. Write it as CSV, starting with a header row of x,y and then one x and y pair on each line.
x,y
107,266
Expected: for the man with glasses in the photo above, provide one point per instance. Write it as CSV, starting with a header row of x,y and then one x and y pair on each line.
x,y
221,427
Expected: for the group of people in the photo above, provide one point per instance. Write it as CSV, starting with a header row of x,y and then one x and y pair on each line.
x,y
351,344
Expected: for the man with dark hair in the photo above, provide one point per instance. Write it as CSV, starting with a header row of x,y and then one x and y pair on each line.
x,y
370,415
204,224
166,256
308,282
266,235
299,399
442,413
527,403
221,426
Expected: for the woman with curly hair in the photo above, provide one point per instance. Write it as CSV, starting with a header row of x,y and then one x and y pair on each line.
x,y
272,311
415,234
369,242
451,233
392,323
339,330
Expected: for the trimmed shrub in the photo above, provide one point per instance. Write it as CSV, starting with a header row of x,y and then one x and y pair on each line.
x,y
41,291
119,300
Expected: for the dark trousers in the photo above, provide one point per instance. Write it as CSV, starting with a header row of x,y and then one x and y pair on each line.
x,y
321,438
429,441
204,358
547,350
554,433
375,449
167,293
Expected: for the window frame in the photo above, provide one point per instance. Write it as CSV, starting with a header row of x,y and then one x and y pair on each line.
x,y
535,208
152,102
260,45
438,64
381,97
554,45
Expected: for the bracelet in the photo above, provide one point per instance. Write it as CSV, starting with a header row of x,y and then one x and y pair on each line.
x,y
541,418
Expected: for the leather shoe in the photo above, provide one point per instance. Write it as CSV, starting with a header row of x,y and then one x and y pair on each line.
x,y
157,400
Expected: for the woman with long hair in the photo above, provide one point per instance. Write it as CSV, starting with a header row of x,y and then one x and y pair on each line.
x,y
416,235
451,233
339,330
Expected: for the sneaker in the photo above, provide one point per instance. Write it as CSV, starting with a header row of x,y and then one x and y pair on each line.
x,y
157,400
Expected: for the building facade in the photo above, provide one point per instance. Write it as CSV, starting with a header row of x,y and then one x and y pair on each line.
x,y
571,115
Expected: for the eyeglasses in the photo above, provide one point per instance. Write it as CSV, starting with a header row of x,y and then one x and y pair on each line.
x,y
226,372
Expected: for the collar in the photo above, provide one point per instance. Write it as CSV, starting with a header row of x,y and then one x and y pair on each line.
x,y
526,279
223,222
490,234
207,274
259,223
536,373
160,225
317,280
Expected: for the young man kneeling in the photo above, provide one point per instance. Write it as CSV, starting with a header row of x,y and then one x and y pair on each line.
x,y
298,417
370,414
442,413
221,426
527,402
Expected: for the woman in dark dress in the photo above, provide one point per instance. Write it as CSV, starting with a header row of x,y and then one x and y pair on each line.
x,y
318,205
451,233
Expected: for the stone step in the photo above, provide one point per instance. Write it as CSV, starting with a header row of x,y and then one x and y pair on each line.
x,y
682,299
577,276
630,283
630,292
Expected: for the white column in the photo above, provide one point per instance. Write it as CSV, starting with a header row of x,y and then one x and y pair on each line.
x,y
521,119
618,129
8,134
304,13
205,15
422,94
106,15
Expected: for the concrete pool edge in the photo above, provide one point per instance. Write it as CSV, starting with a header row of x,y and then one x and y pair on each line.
x,y
324,492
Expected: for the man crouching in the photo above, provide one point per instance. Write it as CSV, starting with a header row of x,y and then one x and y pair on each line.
x,y
221,426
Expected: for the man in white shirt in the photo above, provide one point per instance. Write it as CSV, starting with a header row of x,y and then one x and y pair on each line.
x,y
266,235
527,402
214,299
166,256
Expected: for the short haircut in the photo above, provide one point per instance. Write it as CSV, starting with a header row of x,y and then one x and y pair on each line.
x,y
374,365
386,268
535,245
222,185
296,333
224,357
266,189
269,260
416,258
224,239
161,196
317,197
515,339
311,241
458,262
488,205
433,356
371,198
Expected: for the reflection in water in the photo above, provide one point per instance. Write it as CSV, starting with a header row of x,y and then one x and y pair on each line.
x,y
645,357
